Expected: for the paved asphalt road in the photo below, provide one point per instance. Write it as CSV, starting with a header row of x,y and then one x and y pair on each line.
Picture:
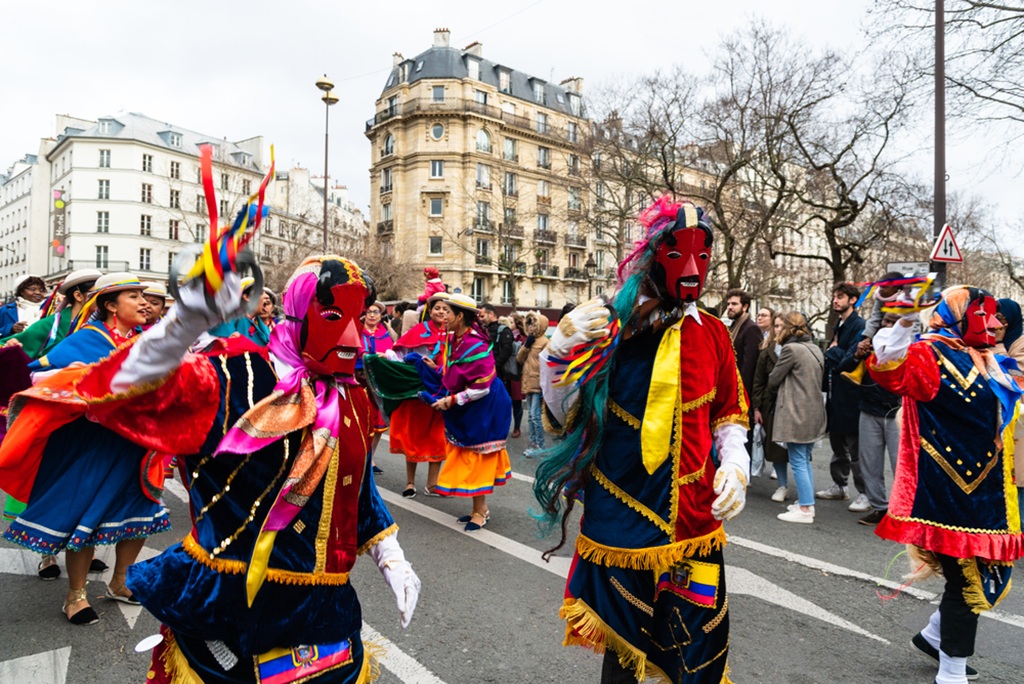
x,y
805,608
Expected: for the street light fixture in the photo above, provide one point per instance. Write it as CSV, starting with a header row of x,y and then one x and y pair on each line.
x,y
326,85
590,268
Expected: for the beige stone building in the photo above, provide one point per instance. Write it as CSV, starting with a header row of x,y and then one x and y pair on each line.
x,y
476,169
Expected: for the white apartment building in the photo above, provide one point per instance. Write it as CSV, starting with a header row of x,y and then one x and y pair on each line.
x,y
134,193
23,206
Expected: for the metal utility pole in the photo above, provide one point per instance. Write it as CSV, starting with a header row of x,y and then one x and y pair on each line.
x,y
940,135
326,85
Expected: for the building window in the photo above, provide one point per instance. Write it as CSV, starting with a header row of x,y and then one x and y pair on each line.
x,y
147,193
574,260
437,131
542,258
438,93
511,187
435,247
477,291
223,208
171,256
483,215
200,235
574,165
389,145
573,132
102,256
574,104
102,221
483,141
392,109
146,225
436,206
200,204
173,229
574,199
224,181
542,122
510,216
543,221
385,212
436,168
480,97
538,93
104,190
543,189
176,170
104,159
483,176
174,202
511,152
147,163
105,127
540,292
145,258
509,253
483,249
246,187
543,157
385,180
506,292
175,139
504,81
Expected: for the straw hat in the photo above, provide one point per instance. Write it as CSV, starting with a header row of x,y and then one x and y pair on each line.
x,y
116,282
439,297
154,289
463,302
84,275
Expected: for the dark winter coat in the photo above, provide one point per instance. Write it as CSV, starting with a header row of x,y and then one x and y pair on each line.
x,y
842,403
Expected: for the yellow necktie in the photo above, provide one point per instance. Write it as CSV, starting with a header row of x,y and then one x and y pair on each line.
x,y
656,430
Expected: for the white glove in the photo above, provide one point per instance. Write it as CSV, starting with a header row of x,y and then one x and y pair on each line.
x,y
399,575
731,487
588,321
161,348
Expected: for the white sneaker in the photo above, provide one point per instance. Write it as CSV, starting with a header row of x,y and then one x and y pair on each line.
x,y
860,504
780,495
835,493
773,476
795,515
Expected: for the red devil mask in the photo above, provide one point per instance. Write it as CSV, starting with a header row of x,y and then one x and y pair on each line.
x,y
682,257
331,334
979,323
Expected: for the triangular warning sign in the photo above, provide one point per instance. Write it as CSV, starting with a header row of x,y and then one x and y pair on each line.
x,y
946,249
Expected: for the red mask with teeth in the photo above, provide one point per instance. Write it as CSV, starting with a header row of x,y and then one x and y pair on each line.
x,y
332,335
979,323
682,264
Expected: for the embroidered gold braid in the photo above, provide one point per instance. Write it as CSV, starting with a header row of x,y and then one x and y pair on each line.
x,y
633,600
227,488
710,626
957,375
700,401
951,472
249,378
227,393
627,417
625,498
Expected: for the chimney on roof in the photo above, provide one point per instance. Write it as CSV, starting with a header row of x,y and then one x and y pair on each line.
x,y
476,48
573,84
441,37
397,59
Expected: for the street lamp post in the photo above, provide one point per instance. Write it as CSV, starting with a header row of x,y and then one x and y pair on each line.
x,y
326,85
590,268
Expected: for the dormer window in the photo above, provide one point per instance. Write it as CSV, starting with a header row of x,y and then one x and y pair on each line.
x,y
538,93
504,81
174,139
106,126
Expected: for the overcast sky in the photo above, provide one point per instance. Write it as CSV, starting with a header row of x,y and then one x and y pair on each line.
x,y
236,69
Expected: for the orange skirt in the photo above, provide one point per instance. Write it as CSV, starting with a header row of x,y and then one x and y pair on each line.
x,y
418,432
467,473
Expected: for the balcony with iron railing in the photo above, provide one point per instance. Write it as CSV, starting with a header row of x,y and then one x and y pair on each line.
x,y
482,225
545,271
572,273
517,267
542,235
386,188
483,260
513,231
386,227
429,106
542,303
572,240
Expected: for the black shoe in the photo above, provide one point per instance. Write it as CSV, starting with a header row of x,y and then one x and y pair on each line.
x,y
377,470
873,518
924,647
97,565
49,572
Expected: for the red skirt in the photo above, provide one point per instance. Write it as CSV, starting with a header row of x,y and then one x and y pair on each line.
x,y
418,432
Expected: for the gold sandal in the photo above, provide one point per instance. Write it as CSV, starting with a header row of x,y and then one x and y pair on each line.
x,y
86,616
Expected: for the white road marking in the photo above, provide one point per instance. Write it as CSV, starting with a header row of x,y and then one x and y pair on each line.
x,y
742,581
174,486
397,662
48,667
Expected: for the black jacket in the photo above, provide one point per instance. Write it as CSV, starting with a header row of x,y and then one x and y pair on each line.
x,y
843,397
874,400
746,343
501,345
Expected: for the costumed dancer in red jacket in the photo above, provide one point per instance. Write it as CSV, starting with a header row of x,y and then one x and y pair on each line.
x,y
643,388
954,498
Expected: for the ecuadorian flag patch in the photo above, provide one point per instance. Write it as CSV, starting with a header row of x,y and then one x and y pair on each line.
x,y
694,581
284,665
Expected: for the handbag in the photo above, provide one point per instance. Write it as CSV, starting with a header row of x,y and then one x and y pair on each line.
x,y
757,451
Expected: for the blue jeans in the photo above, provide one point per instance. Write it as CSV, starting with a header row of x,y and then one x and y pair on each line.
x,y
800,462
781,474
534,405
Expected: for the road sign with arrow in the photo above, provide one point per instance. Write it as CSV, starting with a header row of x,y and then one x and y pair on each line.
x,y
945,249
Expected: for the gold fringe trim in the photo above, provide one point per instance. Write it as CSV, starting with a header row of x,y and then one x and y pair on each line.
x,y
717,620
737,419
700,401
627,417
584,628
652,557
372,655
633,600
696,475
375,539
923,564
229,566
635,505
176,664
974,595
889,365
